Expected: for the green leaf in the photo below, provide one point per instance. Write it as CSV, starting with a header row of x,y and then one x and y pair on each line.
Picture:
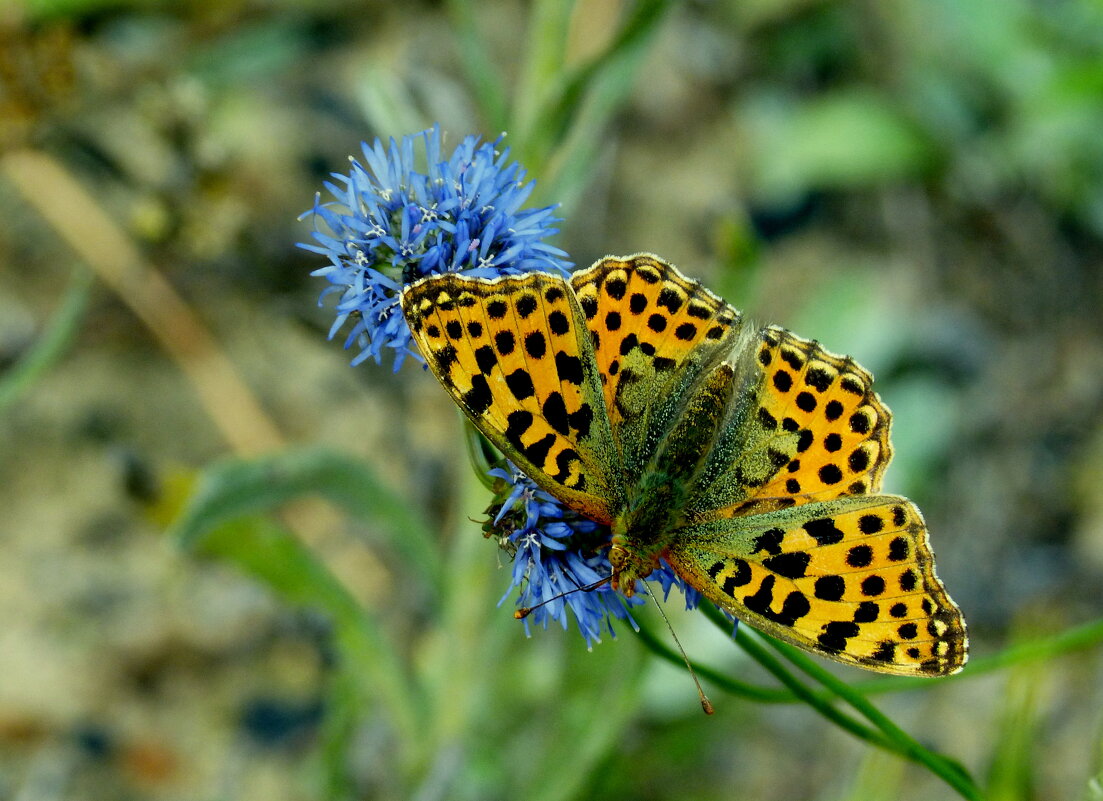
x,y
238,488
842,140
1017,738
249,52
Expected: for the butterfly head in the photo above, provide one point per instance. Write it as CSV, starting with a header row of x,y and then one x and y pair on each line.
x,y
628,566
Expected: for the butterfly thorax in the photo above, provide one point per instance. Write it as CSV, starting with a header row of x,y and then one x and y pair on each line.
x,y
631,558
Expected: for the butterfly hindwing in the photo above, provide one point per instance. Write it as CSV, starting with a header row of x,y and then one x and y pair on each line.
x,y
515,355
852,579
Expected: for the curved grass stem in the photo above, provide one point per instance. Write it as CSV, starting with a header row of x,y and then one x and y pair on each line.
x,y
887,734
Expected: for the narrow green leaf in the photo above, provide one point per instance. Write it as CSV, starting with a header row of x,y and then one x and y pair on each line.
x,y
53,343
890,737
463,659
344,704
623,50
542,69
387,100
575,118
1017,740
236,488
589,723
481,73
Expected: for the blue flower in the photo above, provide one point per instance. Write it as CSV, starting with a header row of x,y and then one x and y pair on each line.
x,y
390,224
555,550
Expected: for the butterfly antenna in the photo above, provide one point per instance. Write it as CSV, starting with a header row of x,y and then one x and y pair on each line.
x,y
706,704
525,611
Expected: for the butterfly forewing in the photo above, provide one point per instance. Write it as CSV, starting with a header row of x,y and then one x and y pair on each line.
x,y
515,356
654,332
811,429
851,578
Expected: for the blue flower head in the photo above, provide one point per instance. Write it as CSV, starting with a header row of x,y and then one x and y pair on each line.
x,y
555,550
401,215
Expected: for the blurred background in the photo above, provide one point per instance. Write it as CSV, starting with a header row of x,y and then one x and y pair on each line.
x,y
918,183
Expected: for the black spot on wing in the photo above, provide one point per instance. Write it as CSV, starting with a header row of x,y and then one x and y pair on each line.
x,y
740,578
835,635
794,607
517,423
569,368
858,460
830,588
670,299
818,378
867,612
872,585
769,541
870,524
504,341
520,384
824,531
445,358
790,565
479,398
580,420
526,305
558,323
537,452
563,461
555,412
485,359
536,344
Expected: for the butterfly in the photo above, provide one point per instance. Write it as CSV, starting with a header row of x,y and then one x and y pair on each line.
x,y
746,457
